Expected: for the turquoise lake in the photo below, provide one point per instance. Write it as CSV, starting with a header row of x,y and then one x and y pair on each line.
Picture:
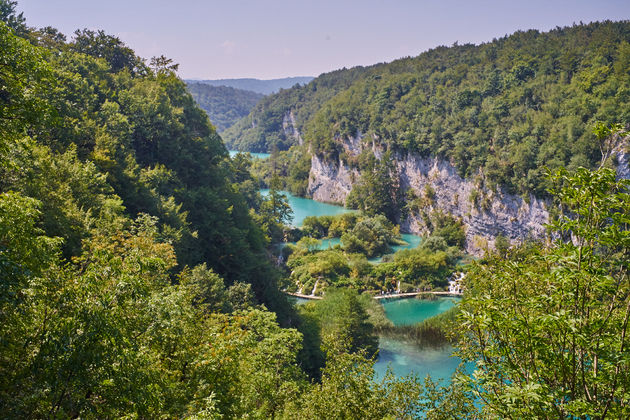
x,y
329,243
405,358
254,155
411,311
411,239
412,242
304,207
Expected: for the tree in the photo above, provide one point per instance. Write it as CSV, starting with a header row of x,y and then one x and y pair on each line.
x,y
24,76
548,329
163,65
16,22
275,210
377,192
350,390
111,48
371,236
344,323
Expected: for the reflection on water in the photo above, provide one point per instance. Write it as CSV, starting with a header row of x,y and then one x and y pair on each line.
x,y
405,358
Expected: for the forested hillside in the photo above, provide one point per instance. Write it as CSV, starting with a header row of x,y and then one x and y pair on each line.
x,y
262,129
134,274
138,277
509,107
224,105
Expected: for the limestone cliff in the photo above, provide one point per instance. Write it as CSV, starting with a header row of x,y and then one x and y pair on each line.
x,y
500,213
622,156
485,213
289,127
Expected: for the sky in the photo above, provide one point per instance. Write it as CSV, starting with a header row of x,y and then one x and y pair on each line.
x,y
265,39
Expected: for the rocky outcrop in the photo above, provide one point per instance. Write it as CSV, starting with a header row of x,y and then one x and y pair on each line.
x,y
485,213
289,127
622,155
330,182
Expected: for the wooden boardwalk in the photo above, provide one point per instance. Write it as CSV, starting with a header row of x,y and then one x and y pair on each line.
x,y
410,294
300,295
389,296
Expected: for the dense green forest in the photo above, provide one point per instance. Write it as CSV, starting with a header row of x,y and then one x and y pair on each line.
x,y
224,105
261,131
510,107
134,274
136,278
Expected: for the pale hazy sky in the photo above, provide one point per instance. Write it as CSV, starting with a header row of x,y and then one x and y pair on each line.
x,y
265,39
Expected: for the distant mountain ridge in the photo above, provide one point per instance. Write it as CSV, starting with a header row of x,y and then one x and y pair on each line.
x,y
265,87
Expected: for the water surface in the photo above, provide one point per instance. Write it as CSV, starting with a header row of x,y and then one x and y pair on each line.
x,y
408,311
329,243
304,207
412,241
254,155
298,300
405,358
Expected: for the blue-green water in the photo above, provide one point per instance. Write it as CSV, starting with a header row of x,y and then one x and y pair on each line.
x,y
304,207
411,239
402,357
411,311
406,358
329,243
412,242
298,300
254,155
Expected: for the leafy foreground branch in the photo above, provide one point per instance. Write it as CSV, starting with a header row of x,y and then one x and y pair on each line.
x,y
548,328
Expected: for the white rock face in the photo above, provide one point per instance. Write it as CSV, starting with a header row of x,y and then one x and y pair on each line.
x,y
623,159
330,182
507,214
493,214
290,127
